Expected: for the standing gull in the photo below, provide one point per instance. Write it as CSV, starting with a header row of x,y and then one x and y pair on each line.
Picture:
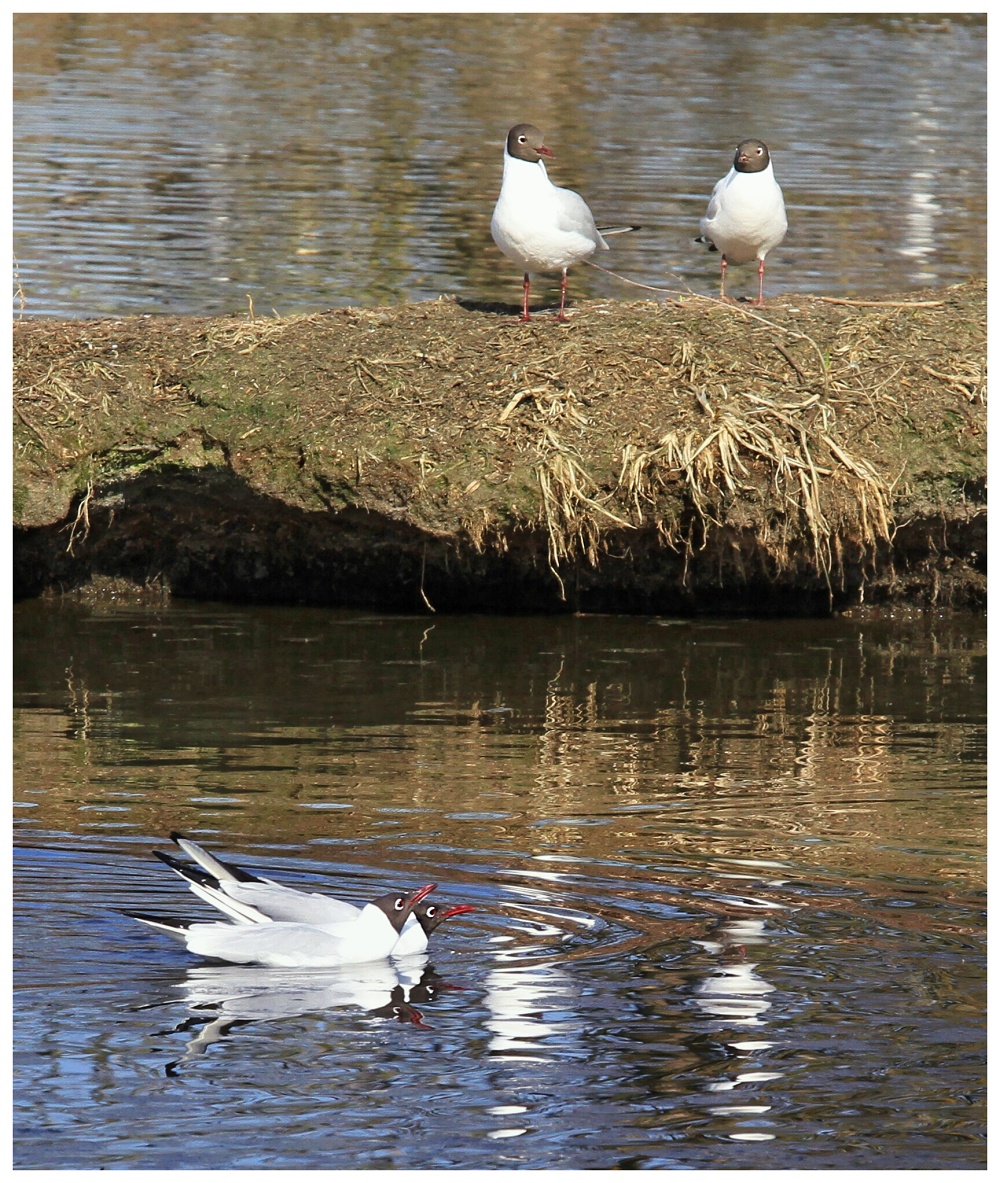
x,y
746,213
537,225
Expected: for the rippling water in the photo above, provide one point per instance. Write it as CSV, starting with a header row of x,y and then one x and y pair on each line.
x,y
183,163
728,882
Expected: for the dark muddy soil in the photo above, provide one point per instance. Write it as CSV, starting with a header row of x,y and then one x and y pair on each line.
x,y
679,456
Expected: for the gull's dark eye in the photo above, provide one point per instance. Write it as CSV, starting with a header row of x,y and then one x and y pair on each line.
x,y
431,910
400,903
522,139
760,151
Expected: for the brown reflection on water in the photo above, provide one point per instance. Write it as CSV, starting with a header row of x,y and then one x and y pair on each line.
x,y
740,779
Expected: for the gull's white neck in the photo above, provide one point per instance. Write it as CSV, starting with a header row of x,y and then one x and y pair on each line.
x,y
524,173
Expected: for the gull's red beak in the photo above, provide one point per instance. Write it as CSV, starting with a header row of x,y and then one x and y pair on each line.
x,y
421,893
458,910
543,151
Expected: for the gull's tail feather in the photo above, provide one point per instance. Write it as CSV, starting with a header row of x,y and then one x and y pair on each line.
x,y
173,925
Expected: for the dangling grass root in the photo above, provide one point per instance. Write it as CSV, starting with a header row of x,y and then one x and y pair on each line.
x,y
820,494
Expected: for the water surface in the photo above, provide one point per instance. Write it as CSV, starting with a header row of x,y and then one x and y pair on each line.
x,y
192,163
729,883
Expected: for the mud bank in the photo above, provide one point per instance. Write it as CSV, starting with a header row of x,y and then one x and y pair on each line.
x,y
677,457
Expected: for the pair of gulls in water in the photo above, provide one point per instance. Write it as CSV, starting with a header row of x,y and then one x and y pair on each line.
x,y
541,227
270,924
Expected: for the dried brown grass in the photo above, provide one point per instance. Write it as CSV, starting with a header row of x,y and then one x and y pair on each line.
x,y
820,492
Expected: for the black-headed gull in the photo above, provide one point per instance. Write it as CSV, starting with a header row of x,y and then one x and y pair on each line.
x,y
536,224
330,936
249,899
746,212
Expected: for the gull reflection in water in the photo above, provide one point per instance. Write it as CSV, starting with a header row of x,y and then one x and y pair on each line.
x,y
733,990
734,993
527,1004
224,997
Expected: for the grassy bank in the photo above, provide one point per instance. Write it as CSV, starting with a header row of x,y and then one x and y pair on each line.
x,y
678,456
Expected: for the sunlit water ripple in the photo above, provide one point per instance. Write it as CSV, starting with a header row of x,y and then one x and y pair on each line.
x,y
729,896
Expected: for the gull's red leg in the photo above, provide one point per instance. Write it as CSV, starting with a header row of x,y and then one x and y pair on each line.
x,y
562,298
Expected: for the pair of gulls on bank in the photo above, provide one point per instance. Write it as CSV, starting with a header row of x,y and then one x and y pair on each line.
x,y
270,924
541,227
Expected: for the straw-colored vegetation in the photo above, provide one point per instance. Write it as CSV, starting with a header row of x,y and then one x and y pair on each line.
x,y
725,444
